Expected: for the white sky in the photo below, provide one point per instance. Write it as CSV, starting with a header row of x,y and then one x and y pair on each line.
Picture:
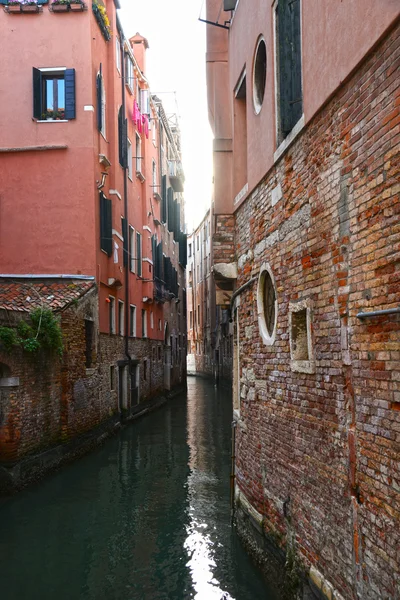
x,y
176,63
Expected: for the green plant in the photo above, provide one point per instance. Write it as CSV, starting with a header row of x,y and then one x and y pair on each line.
x,y
8,338
44,332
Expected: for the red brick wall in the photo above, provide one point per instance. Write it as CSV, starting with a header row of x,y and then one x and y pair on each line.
x,y
328,443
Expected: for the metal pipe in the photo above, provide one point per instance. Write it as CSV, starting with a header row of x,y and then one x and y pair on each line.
x,y
242,287
233,458
378,313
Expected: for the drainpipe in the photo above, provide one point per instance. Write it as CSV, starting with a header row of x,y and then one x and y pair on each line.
x,y
125,206
233,475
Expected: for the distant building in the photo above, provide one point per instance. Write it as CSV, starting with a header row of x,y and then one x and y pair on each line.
x,y
304,105
209,329
91,191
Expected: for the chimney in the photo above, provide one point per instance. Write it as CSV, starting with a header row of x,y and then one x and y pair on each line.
x,y
139,46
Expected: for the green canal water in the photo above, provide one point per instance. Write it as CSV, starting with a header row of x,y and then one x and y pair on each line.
x,y
146,516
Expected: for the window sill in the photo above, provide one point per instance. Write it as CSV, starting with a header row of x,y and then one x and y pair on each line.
x,y
284,145
140,176
52,121
302,366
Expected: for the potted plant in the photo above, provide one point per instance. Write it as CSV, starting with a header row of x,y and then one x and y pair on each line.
x,y
76,5
14,6
29,6
60,5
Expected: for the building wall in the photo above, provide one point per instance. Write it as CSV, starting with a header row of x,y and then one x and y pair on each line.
x,y
318,451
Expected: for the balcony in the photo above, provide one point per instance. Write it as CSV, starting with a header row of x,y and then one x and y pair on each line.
x,y
176,175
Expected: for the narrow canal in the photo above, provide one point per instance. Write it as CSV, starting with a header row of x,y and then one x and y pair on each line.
x,y
144,517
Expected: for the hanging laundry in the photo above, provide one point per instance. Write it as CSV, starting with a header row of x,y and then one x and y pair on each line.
x,y
116,248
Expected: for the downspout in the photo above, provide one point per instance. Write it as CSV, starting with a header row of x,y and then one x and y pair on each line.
x,y
126,333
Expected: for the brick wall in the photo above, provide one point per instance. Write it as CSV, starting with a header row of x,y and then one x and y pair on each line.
x,y
318,453
224,239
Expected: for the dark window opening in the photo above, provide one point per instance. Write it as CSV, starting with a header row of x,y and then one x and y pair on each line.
x,y
112,378
269,303
105,224
260,73
299,335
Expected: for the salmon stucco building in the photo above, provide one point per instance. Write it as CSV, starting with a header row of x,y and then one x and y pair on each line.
x,y
92,231
305,109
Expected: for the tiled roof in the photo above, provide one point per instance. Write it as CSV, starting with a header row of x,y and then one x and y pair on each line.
x,y
25,295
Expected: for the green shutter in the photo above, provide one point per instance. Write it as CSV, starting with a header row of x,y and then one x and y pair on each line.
x,y
99,94
125,236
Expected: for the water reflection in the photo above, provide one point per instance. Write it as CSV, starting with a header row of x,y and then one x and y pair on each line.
x,y
146,517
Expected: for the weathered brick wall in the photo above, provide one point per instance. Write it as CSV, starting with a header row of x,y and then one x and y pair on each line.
x,y
224,239
318,453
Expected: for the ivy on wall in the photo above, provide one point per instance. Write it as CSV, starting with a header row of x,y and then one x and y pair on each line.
x,y
43,332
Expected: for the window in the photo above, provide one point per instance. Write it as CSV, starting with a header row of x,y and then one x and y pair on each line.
x,y
190,319
122,139
138,254
197,242
129,73
111,306
101,103
154,132
159,325
144,323
145,370
130,174
53,94
138,154
151,320
105,224
198,314
132,320
118,54
112,378
120,317
301,347
190,250
132,249
267,306
89,342
288,65
259,74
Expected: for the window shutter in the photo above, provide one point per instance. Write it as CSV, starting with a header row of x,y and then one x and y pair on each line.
x,y
99,93
70,94
37,93
105,224
170,209
125,143
164,199
125,236
297,94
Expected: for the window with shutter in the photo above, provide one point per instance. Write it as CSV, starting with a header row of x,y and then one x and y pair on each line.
x,y
138,254
124,225
105,224
53,94
288,51
164,199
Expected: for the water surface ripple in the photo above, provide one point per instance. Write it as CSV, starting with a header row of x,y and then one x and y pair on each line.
x,y
144,517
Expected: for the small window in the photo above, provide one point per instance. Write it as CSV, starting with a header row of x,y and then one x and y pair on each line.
x,y
132,247
129,74
154,177
301,347
159,325
118,54
53,94
130,166
132,317
259,74
154,132
151,320
190,250
138,155
145,370
112,378
112,314
101,103
138,254
144,323
267,306
120,317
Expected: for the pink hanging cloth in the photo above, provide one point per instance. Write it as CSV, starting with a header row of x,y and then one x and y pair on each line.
x,y
135,112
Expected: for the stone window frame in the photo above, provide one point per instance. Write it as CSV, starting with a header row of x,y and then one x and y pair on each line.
x,y
268,339
302,366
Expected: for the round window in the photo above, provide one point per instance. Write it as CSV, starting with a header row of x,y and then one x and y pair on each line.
x,y
267,306
269,303
259,74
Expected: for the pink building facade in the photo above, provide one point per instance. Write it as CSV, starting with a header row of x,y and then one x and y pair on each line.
x,y
84,186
